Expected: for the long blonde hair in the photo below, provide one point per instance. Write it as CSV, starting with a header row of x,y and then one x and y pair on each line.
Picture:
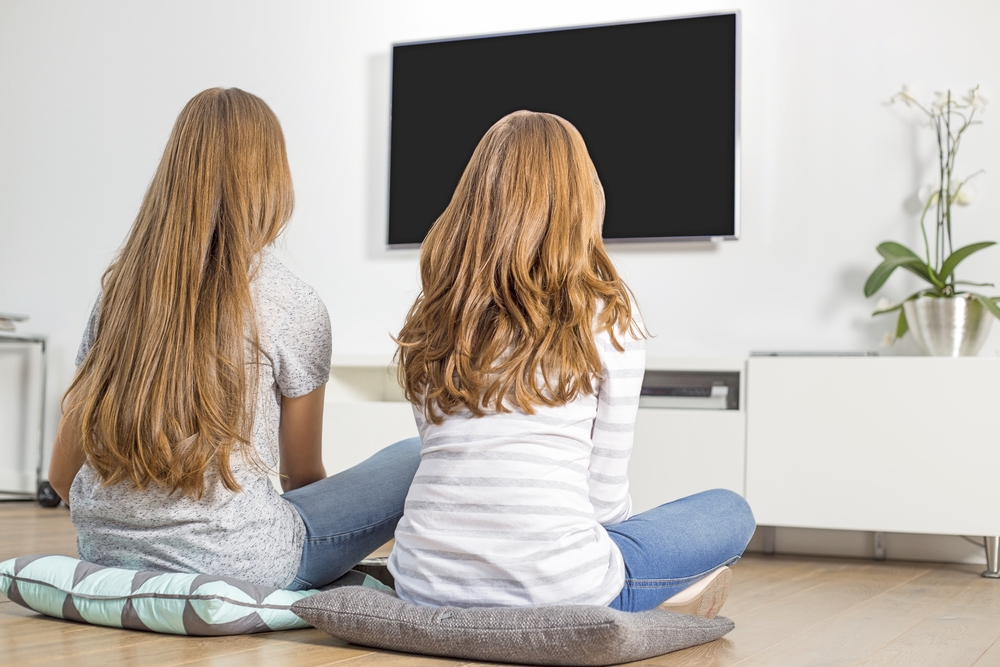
x,y
166,390
515,278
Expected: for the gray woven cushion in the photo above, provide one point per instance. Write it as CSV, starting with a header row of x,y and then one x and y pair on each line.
x,y
570,635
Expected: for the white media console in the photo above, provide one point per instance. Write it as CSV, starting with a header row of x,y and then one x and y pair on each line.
x,y
882,444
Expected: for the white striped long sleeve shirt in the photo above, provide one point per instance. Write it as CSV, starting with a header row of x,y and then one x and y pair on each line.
x,y
509,509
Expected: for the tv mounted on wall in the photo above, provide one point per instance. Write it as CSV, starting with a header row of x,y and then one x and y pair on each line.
x,y
656,101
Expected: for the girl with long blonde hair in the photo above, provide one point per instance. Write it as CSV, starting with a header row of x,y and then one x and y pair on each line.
x,y
523,357
203,368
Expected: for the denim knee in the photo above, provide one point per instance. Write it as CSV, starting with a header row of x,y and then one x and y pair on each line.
x,y
736,512
408,449
410,445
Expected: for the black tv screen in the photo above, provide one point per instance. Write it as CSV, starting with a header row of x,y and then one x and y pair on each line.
x,y
657,103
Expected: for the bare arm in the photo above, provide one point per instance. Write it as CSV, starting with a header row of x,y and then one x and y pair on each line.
x,y
67,452
300,439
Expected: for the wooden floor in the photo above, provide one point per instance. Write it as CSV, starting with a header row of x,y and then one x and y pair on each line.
x,y
795,612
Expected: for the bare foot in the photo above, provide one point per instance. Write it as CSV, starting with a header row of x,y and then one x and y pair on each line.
x,y
704,597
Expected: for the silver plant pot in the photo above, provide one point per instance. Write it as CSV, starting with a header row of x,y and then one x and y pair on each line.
x,y
948,327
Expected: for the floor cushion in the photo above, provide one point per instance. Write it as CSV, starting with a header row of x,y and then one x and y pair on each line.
x,y
567,635
181,604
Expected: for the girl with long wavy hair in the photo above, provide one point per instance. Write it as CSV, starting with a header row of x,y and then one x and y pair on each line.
x,y
523,357
203,368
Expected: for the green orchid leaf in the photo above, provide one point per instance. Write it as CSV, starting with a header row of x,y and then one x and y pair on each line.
x,y
953,260
925,272
915,295
885,269
990,303
883,311
891,250
901,325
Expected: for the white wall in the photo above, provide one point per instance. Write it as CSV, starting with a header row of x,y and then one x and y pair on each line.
x,y
88,93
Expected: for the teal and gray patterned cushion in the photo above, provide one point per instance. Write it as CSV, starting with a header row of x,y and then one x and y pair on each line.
x,y
181,604
566,635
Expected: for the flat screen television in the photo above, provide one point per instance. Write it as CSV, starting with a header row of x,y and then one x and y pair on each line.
x,y
657,103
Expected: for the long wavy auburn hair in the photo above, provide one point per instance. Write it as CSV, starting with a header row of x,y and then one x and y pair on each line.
x,y
515,279
165,393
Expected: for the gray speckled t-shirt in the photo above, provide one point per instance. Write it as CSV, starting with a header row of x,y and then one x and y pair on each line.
x,y
253,535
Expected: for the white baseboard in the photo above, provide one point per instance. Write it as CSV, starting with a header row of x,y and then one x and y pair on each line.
x,y
860,544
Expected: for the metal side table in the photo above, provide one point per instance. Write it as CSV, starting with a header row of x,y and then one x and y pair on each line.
x,y
15,337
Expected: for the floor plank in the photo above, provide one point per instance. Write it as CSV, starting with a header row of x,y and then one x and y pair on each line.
x,y
958,634
34,640
301,648
760,582
991,658
851,635
388,659
821,597
30,529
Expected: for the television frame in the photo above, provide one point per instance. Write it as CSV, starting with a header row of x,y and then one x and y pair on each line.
x,y
737,98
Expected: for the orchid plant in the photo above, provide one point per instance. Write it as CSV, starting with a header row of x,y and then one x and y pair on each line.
x,y
949,118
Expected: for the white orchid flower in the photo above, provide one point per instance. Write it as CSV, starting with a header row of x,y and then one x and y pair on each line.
x,y
882,304
976,100
941,100
887,339
908,95
964,194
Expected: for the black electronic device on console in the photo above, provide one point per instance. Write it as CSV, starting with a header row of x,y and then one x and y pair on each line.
x,y
709,390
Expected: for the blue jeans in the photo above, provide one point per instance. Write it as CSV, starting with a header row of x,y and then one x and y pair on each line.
x,y
672,546
353,513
